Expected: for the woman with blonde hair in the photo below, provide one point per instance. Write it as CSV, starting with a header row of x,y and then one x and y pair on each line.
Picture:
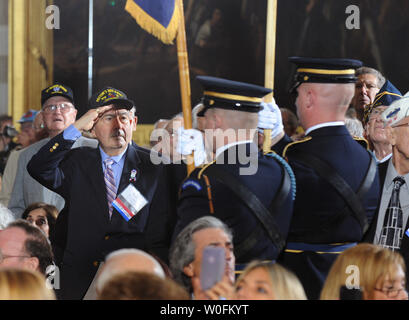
x,y
378,272
21,284
268,281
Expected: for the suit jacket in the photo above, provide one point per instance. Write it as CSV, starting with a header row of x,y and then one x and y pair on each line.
x,y
84,233
370,235
26,190
228,207
9,175
317,201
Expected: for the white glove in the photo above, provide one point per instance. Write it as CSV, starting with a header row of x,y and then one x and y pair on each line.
x,y
190,140
270,118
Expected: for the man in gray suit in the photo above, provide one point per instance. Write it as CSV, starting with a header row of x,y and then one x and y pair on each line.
x,y
59,112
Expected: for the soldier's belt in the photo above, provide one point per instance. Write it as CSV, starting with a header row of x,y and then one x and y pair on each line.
x,y
336,248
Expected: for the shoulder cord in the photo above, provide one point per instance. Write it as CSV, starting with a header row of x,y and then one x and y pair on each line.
x,y
288,169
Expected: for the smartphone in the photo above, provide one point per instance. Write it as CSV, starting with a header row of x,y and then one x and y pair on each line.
x,y
213,266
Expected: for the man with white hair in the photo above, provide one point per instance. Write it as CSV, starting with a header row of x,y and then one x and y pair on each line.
x,y
59,112
375,132
390,224
122,261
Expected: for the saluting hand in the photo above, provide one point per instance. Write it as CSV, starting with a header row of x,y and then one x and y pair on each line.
x,y
88,120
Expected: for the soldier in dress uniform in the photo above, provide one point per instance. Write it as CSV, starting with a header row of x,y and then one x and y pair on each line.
x,y
337,179
250,192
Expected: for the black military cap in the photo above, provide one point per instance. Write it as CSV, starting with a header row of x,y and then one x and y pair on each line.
x,y
319,70
57,89
108,96
232,95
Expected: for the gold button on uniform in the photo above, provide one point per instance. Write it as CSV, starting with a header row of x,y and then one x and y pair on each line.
x,y
106,238
95,263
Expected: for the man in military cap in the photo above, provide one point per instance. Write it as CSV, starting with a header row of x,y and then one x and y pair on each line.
x,y
250,192
375,132
337,179
115,197
27,136
390,224
58,112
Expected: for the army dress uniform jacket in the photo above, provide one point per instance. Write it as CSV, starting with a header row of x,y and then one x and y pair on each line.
x,y
313,244
84,232
202,194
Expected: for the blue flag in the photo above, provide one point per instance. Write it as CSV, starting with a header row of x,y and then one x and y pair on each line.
x,y
158,17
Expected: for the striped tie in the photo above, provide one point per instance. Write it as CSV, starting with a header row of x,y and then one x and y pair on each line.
x,y
110,183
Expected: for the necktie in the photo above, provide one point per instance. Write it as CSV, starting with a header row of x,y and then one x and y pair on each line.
x,y
110,183
392,231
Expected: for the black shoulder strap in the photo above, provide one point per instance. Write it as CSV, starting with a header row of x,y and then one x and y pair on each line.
x,y
352,199
283,193
256,206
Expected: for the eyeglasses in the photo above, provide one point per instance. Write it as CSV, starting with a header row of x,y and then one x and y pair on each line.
x,y
124,118
401,125
391,293
376,112
64,108
6,256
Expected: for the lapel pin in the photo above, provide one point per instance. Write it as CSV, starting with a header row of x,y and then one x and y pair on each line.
x,y
133,175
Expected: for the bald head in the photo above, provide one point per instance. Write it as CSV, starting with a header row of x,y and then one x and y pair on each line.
x,y
332,95
124,260
232,119
323,102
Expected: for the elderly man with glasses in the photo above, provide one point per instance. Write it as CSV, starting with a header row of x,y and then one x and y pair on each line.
x,y
390,225
375,132
115,197
58,112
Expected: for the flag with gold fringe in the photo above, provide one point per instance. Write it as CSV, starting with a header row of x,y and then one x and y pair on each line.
x,y
158,17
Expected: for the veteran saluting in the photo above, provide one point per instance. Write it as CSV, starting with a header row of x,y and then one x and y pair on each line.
x,y
111,193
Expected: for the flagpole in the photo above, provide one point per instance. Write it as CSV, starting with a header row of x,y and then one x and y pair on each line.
x,y
184,78
270,61
90,45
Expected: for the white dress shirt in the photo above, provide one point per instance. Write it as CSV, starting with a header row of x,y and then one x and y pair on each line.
x,y
325,124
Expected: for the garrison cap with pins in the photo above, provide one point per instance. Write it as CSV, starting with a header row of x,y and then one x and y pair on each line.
x,y
29,116
386,95
324,70
397,111
108,96
57,89
231,95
